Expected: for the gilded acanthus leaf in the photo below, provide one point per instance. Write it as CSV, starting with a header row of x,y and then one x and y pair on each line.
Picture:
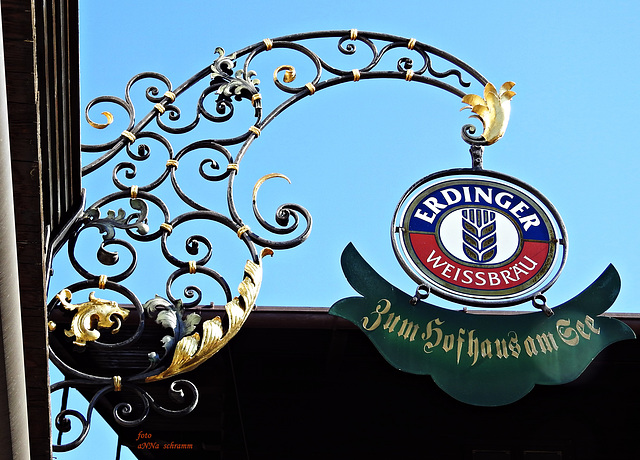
x,y
493,111
190,351
90,316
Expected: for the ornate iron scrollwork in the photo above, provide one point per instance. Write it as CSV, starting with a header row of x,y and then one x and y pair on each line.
x,y
152,220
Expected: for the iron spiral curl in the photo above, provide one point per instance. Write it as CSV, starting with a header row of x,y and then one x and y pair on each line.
x,y
125,413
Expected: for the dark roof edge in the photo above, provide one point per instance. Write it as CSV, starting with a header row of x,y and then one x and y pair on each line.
x,y
270,317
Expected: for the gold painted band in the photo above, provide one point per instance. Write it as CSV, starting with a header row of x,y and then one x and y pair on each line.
x,y
102,281
242,230
129,135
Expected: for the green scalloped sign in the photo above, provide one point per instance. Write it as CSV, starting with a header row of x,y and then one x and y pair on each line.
x,y
481,359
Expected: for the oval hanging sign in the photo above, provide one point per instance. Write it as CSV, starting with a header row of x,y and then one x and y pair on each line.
x,y
479,237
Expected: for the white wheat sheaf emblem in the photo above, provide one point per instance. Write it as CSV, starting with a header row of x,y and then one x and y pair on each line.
x,y
479,237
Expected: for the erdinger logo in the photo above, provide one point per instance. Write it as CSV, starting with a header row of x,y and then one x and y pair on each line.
x,y
476,238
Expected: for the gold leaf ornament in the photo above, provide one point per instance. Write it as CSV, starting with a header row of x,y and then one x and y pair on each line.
x,y
289,73
90,316
191,351
93,124
493,111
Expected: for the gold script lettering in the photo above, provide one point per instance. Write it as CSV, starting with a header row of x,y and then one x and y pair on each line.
x,y
530,346
547,342
581,331
408,329
449,340
501,349
514,346
460,342
472,349
485,349
379,311
567,333
588,320
429,332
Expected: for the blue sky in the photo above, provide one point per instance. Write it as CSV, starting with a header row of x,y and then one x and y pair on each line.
x,y
351,151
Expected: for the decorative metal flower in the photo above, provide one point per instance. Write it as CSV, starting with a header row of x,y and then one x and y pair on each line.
x,y
91,315
493,111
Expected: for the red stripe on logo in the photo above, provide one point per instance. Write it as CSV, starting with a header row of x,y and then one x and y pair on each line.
x,y
529,263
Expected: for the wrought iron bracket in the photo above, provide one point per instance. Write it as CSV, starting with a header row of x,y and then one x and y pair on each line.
x,y
133,215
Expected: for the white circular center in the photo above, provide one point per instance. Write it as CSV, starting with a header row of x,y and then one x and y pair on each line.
x,y
479,235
